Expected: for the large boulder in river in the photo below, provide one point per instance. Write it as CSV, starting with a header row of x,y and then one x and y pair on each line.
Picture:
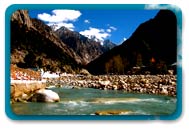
x,y
44,95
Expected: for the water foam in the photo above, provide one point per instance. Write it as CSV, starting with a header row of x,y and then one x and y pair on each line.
x,y
152,100
75,103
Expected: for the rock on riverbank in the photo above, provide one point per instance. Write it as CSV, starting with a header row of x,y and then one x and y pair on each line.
x,y
21,91
44,95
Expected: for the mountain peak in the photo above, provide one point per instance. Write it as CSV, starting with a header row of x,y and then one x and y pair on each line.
x,y
22,17
87,47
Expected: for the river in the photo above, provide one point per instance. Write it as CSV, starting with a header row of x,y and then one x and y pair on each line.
x,y
88,101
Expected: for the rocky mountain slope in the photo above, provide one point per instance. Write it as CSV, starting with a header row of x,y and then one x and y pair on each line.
x,y
152,47
87,49
33,44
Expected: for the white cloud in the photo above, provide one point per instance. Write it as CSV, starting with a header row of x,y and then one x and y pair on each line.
x,y
113,28
124,39
61,18
87,21
109,30
95,32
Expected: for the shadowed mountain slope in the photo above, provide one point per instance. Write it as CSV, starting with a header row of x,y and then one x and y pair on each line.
x,y
153,47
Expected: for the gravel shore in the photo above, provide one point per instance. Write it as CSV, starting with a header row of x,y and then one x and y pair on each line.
x,y
149,84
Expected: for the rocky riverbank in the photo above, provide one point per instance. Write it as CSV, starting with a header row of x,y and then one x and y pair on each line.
x,y
22,91
149,84
29,85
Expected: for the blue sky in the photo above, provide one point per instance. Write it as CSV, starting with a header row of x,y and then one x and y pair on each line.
x,y
116,25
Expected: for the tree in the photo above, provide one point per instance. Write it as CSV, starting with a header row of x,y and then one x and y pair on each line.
x,y
118,64
115,65
139,60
